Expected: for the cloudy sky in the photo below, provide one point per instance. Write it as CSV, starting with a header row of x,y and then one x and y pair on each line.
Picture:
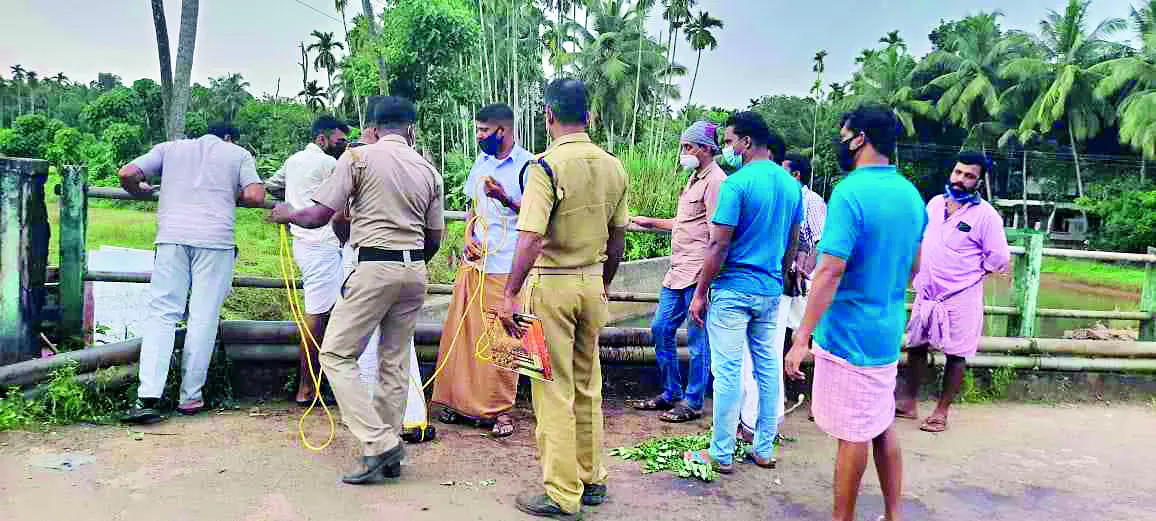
x,y
766,46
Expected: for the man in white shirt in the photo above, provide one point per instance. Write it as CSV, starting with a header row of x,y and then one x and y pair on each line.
x,y
316,251
201,181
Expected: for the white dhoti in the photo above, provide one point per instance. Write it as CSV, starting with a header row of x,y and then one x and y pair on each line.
x,y
415,409
790,316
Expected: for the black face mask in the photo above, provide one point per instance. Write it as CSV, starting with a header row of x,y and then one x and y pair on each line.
x,y
336,148
845,155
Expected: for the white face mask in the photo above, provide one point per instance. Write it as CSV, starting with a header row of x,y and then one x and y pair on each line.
x,y
688,161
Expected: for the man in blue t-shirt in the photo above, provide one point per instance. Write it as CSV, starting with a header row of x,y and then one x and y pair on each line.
x,y
753,237
870,244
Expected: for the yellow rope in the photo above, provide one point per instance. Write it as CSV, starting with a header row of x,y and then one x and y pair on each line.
x,y
287,276
481,347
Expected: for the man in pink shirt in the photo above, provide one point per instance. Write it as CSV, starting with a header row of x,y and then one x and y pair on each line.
x,y
690,234
964,242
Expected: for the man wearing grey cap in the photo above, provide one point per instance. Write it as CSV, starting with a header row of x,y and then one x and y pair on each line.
x,y
690,234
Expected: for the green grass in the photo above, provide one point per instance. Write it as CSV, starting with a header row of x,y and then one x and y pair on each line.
x,y
1113,275
133,225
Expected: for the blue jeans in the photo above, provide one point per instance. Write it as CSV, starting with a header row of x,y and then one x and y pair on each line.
x,y
673,305
735,320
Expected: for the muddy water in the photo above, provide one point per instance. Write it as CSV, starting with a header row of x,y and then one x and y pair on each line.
x,y
1055,292
1061,293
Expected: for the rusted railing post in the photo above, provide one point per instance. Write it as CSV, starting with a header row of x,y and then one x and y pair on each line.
x,y
1026,287
1148,299
73,227
23,256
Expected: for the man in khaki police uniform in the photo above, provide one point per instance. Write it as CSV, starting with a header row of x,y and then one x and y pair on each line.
x,y
395,197
571,236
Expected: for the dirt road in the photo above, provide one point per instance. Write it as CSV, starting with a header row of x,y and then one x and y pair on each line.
x,y
1006,461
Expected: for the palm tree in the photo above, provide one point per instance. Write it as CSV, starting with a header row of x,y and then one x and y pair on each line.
x,y
314,96
677,14
865,56
340,6
893,40
324,45
818,69
968,84
1062,82
700,38
608,62
18,73
229,94
1132,80
838,92
886,79
32,81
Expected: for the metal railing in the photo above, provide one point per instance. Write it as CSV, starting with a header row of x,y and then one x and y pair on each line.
x,y
22,252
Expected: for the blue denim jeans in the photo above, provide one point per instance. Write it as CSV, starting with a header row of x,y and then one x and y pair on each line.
x,y
734,321
673,305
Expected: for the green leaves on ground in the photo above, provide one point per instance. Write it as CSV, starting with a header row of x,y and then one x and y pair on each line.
x,y
666,455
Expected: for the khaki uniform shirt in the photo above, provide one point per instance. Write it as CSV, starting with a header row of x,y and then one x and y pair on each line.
x,y
691,234
392,192
576,210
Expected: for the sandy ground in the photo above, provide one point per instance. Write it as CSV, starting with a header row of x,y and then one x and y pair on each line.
x,y
1006,461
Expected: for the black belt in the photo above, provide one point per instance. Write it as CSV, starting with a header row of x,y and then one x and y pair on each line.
x,y
380,255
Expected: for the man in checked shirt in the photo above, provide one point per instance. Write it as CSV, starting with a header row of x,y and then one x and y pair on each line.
x,y
790,307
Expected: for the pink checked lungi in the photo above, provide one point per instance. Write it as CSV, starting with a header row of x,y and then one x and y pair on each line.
x,y
852,403
952,325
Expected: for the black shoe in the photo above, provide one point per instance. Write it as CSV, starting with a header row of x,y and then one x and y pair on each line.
x,y
378,468
541,505
594,495
144,412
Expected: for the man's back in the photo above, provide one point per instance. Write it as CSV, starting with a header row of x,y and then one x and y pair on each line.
x,y
875,222
574,211
304,171
201,180
761,202
396,195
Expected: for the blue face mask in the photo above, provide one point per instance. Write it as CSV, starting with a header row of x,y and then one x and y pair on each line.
x,y
960,196
731,158
491,144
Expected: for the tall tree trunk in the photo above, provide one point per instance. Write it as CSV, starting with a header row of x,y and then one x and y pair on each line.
x,y
1143,168
637,79
367,8
814,138
986,173
1076,157
184,68
697,62
162,31
349,48
1025,187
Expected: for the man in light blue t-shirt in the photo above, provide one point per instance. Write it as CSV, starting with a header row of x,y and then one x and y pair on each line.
x,y
753,236
875,223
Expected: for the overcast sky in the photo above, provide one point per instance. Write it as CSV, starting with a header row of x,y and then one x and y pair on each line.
x,y
765,48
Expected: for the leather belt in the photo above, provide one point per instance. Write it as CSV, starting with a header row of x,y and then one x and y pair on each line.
x,y
380,255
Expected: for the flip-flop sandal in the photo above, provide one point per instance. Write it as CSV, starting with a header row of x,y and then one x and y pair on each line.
x,y
764,463
934,424
503,421
654,404
191,408
449,417
702,457
906,415
680,414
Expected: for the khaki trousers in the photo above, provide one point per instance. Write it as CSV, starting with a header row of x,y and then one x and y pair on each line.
x,y
389,295
573,309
